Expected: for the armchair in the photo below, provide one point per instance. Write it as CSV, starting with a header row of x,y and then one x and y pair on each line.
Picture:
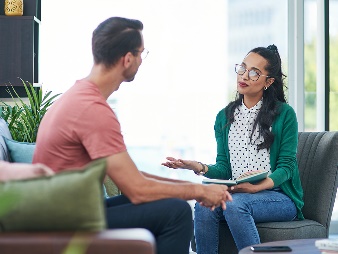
x,y
318,166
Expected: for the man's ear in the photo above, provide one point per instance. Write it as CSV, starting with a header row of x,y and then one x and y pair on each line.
x,y
128,59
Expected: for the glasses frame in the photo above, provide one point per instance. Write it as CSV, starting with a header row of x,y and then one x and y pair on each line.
x,y
144,53
246,70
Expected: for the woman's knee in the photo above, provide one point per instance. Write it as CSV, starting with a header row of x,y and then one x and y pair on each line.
x,y
205,214
236,205
201,211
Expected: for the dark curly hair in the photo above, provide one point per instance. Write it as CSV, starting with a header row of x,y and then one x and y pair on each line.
x,y
271,96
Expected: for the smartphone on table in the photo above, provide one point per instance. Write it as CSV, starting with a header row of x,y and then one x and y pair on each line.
x,y
271,248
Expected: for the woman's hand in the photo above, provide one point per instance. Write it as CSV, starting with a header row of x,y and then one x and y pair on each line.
x,y
184,164
244,187
252,188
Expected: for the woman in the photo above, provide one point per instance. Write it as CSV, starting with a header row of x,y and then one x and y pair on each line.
x,y
257,131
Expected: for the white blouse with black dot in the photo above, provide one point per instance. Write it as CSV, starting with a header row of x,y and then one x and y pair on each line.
x,y
244,155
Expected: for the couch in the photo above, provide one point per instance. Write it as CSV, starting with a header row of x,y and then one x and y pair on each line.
x,y
35,225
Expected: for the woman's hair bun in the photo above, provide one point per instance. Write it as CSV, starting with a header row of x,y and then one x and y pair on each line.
x,y
273,47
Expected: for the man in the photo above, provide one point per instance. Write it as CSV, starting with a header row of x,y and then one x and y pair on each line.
x,y
16,171
81,127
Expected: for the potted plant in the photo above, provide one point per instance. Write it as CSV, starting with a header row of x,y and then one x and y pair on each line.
x,y
23,118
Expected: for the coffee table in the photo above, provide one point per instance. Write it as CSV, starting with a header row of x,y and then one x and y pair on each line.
x,y
300,246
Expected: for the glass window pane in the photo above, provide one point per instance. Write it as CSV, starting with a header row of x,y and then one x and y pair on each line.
x,y
188,76
333,64
310,32
170,107
262,24
333,20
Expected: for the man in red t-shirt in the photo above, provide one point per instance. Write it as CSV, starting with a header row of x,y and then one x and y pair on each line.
x,y
81,127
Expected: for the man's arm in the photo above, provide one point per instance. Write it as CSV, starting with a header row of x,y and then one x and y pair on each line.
x,y
15,171
139,188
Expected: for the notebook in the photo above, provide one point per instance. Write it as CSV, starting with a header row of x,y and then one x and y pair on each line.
x,y
251,177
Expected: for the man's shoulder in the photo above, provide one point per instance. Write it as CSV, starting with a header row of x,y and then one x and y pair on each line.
x,y
83,88
81,96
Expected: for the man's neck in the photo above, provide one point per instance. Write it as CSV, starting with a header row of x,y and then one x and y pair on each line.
x,y
107,80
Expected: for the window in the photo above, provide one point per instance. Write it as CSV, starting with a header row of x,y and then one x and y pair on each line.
x,y
333,64
310,33
310,45
170,108
312,109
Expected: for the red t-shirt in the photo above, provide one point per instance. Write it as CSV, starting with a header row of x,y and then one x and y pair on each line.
x,y
78,128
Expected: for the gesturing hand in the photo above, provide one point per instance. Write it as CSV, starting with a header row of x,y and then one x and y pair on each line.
x,y
179,163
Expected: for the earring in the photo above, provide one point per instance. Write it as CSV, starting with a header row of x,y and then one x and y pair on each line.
x,y
265,88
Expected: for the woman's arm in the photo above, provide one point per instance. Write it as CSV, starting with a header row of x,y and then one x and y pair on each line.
x,y
15,171
283,152
222,168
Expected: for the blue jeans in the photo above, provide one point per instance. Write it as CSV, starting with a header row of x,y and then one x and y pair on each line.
x,y
241,215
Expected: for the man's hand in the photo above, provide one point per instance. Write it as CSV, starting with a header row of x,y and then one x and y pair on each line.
x,y
15,171
215,195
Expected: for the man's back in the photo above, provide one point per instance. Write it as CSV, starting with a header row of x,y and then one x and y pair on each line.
x,y
78,128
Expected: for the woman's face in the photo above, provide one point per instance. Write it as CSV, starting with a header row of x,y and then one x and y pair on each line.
x,y
252,77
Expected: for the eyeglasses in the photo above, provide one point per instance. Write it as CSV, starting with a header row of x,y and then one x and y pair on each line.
x,y
144,53
253,74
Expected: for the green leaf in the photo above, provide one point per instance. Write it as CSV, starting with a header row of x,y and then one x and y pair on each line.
x,y
24,118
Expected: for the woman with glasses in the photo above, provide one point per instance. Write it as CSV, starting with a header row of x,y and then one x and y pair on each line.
x,y
257,131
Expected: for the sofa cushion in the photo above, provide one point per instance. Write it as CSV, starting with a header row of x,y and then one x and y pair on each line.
x,y
111,188
70,200
20,151
4,132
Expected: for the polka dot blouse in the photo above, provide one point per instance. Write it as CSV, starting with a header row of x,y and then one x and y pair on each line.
x,y
244,155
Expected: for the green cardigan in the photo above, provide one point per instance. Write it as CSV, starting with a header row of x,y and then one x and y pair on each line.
x,y
283,151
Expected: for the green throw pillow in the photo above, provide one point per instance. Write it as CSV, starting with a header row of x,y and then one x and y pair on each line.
x,y
20,151
67,201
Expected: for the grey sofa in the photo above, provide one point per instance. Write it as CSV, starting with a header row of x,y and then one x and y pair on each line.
x,y
318,166
126,241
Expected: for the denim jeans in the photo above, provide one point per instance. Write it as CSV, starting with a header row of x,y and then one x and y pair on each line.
x,y
170,221
241,215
